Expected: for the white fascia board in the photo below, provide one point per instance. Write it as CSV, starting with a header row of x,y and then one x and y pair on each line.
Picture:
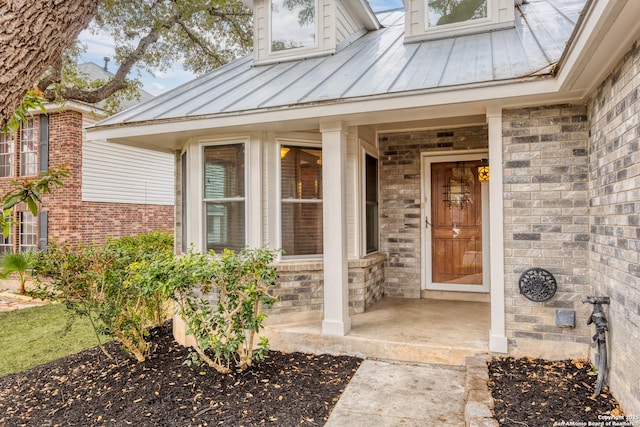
x,y
81,107
605,34
443,102
363,11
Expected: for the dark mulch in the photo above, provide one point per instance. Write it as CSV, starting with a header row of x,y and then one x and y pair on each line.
x,y
86,389
535,392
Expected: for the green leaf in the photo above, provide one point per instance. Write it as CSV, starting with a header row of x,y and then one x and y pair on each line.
x,y
14,200
33,207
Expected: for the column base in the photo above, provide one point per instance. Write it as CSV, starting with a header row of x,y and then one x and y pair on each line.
x,y
498,344
336,327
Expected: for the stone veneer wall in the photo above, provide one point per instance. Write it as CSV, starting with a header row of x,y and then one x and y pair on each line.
x,y
300,285
546,217
614,117
400,216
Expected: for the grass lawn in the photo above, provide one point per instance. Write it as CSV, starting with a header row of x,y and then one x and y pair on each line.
x,y
33,336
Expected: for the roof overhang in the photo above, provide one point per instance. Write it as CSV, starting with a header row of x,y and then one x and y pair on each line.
x,y
170,134
607,30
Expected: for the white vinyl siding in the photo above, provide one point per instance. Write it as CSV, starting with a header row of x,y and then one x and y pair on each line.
x,y
123,174
346,23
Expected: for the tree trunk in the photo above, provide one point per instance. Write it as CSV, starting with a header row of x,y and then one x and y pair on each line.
x,y
33,35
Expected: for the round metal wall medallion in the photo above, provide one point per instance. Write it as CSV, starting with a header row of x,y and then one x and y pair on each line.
x,y
537,284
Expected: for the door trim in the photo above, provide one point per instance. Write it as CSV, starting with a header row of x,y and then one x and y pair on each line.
x,y
426,159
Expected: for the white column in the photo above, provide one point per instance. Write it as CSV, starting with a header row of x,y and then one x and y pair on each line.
x,y
253,191
334,214
497,334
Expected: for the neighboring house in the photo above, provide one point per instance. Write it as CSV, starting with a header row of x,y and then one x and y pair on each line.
x,y
114,190
351,140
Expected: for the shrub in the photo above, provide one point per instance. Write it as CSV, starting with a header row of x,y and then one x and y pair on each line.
x,y
94,282
221,298
20,263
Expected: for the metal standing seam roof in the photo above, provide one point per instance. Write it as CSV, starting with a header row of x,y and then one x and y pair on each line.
x,y
378,63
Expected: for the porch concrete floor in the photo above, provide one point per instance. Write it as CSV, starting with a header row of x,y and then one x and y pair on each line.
x,y
419,330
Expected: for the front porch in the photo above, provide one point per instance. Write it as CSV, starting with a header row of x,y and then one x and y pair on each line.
x,y
419,330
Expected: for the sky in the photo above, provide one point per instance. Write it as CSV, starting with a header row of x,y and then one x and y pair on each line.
x,y
101,45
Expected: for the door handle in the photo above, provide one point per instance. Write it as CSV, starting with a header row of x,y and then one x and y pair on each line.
x,y
426,222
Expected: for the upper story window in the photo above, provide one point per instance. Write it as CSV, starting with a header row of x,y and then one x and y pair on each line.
x,y
293,24
6,154
445,12
29,145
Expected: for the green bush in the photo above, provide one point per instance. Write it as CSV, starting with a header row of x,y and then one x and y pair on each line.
x,y
221,298
95,282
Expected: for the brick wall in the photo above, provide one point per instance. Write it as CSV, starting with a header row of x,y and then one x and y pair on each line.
x,y
71,220
400,216
614,117
546,225
300,286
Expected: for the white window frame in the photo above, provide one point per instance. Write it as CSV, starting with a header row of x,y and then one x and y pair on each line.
x,y
203,200
295,51
6,243
33,222
29,168
297,142
454,25
10,141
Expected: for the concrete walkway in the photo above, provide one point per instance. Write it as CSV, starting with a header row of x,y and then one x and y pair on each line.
x,y
391,393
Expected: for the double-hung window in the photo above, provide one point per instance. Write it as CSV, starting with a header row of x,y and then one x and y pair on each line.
x,y
301,202
28,235
6,154
224,196
28,148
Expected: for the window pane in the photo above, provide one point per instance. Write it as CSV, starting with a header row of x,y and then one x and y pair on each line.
x,y
224,171
301,173
302,228
301,187
225,226
371,208
293,24
224,197
29,145
6,154
443,12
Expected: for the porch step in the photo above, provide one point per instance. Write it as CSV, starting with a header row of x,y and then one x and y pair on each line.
x,y
288,340
415,330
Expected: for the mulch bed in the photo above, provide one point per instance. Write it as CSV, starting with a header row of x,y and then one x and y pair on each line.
x,y
535,392
87,389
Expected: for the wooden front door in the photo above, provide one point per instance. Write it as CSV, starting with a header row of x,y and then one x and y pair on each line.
x,y
456,225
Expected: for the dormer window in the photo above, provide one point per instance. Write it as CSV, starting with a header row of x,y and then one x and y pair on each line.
x,y
291,30
451,12
436,19
293,24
